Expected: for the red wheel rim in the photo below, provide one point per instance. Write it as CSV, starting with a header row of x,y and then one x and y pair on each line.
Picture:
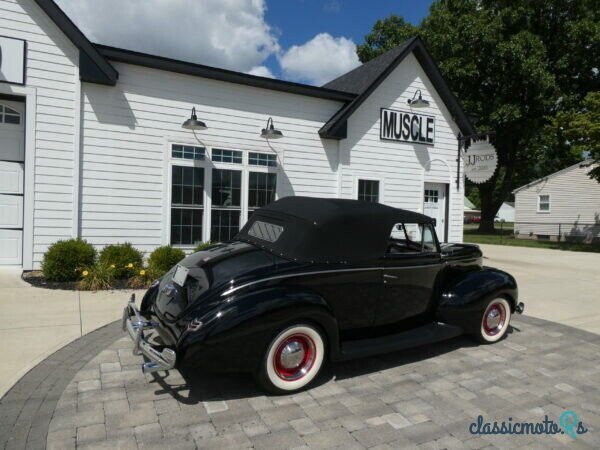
x,y
494,319
294,357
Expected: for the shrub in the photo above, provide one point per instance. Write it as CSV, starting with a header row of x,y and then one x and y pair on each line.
x,y
64,258
204,245
163,258
124,259
143,278
96,277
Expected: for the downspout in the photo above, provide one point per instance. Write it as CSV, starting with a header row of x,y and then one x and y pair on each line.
x,y
339,170
77,156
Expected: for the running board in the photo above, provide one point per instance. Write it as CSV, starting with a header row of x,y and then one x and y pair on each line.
x,y
426,334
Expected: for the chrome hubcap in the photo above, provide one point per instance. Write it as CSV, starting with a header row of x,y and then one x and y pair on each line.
x,y
494,319
292,355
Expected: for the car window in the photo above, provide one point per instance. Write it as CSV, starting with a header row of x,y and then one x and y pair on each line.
x,y
429,239
406,238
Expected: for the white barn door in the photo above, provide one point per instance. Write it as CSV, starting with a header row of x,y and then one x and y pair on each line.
x,y
12,157
434,205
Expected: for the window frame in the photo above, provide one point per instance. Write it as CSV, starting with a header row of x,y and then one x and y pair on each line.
x,y
539,203
427,195
208,165
422,252
14,113
357,180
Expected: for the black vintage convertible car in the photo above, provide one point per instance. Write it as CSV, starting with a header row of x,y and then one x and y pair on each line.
x,y
308,280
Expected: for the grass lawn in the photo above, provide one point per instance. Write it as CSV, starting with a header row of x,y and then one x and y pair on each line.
x,y
505,236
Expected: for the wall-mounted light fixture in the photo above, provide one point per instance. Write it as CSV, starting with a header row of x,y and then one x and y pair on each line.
x,y
418,102
193,123
270,132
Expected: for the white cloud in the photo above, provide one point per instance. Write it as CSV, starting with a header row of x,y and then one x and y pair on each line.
x,y
261,71
332,6
319,60
225,33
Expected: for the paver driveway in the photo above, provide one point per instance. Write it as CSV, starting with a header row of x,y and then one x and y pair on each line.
x,y
426,398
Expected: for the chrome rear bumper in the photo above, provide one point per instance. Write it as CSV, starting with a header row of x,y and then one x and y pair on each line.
x,y
135,325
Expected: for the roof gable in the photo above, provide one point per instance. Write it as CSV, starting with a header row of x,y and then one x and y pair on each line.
x,y
366,78
93,67
580,164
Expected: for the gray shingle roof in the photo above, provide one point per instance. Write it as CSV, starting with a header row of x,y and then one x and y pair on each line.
x,y
358,80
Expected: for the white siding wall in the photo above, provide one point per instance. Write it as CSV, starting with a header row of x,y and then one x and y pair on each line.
x,y
52,70
403,167
574,198
126,130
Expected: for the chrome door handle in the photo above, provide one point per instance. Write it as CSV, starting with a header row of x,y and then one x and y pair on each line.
x,y
385,275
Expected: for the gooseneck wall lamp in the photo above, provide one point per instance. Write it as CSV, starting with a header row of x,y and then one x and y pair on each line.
x,y
270,132
193,123
418,102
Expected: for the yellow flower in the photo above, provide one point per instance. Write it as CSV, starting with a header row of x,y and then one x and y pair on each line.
x,y
112,266
130,266
142,272
85,273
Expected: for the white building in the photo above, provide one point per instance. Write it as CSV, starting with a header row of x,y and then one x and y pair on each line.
x,y
506,213
564,205
92,144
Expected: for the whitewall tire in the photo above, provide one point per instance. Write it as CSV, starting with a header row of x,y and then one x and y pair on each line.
x,y
495,321
292,360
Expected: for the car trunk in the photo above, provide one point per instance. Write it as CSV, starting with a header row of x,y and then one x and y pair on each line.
x,y
210,271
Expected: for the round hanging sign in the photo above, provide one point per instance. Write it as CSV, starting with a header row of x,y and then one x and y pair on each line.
x,y
480,161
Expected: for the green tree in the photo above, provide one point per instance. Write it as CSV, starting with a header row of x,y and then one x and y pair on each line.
x,y
514,65
386,34
581,127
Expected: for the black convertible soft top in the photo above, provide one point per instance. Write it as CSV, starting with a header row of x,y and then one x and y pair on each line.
x,y
310,229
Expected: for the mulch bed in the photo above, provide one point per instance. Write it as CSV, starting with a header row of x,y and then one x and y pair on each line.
x,y
36,279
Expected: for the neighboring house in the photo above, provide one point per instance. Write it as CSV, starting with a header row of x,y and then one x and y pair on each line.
x,y
564,205
506,213
92,144
470,211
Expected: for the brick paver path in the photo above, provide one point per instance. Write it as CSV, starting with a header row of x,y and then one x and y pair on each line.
x,y
423,398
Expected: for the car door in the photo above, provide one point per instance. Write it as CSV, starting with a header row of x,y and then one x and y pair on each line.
x,y
411,265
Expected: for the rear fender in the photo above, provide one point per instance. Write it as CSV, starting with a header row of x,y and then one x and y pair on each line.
x,y
467,293
235,334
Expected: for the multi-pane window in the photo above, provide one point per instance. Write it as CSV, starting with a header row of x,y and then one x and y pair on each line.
x,y
544,203
9,115
226,204
261,190
188,152
368,190
227,156
253,179
431,195
262,159
187,204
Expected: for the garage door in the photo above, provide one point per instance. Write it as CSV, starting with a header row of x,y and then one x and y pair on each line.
x,y
12,156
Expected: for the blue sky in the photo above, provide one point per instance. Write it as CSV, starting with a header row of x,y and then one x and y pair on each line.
x,y
308,41
298,21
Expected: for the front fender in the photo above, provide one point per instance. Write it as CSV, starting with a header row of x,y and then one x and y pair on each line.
x,y
236,332
467,293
